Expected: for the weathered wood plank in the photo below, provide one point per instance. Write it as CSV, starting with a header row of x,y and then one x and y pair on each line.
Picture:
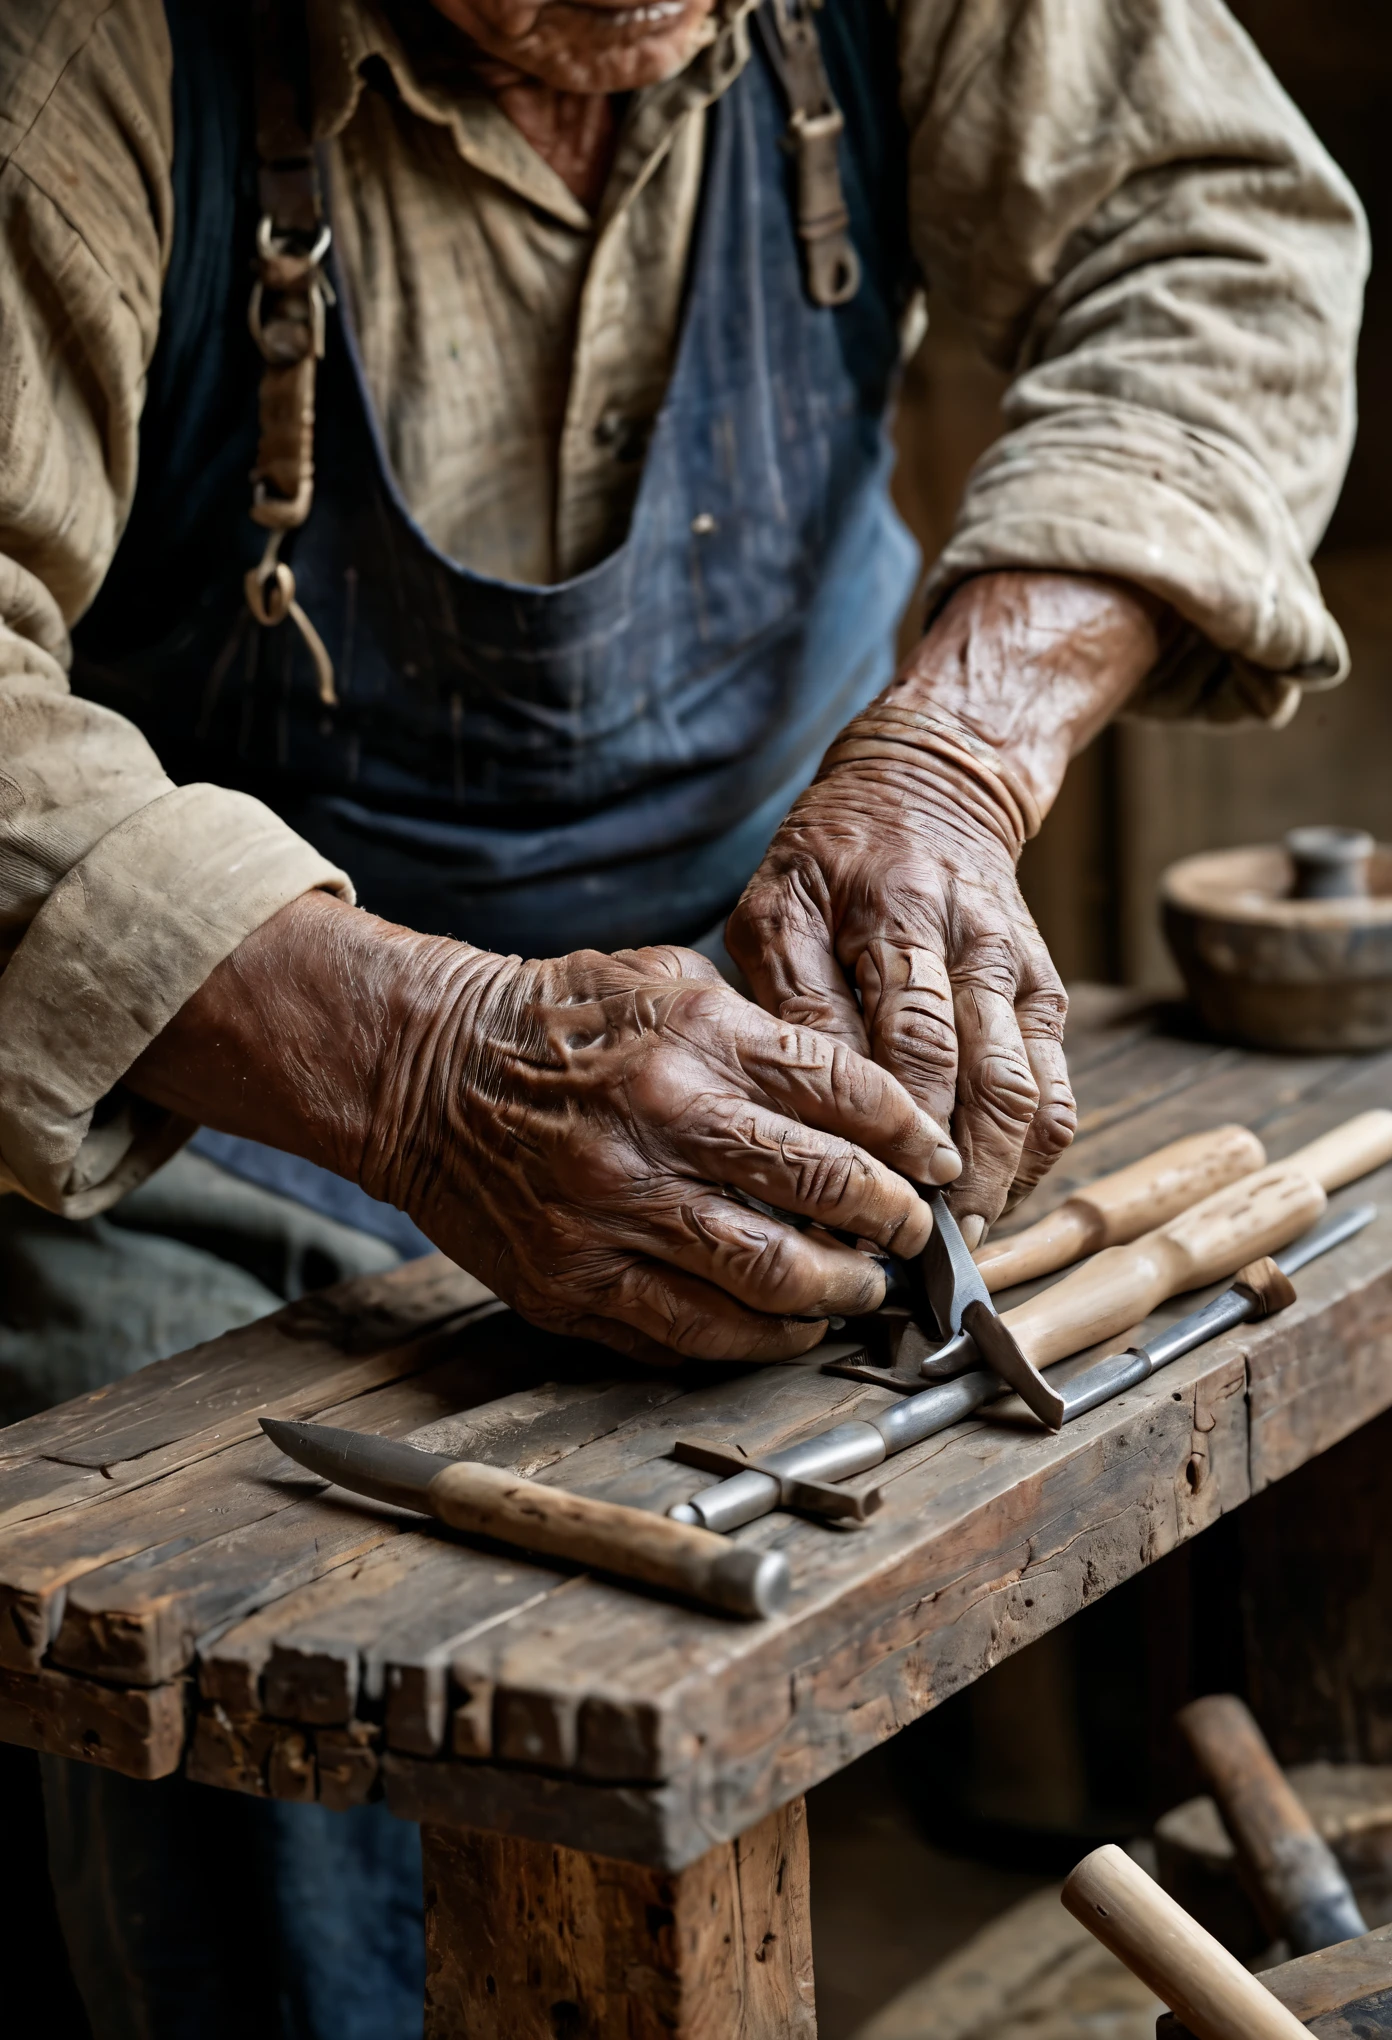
x,y
140,1733
100,1567
342,1647
299,1361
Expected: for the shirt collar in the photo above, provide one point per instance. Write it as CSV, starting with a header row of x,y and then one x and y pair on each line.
x,y
426,58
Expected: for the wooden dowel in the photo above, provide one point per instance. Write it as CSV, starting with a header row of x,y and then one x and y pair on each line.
x,y
487,1501
1135,1201
1172,1954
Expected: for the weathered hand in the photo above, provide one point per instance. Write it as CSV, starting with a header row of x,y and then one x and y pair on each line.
x,y
887,915
570,1130
889,878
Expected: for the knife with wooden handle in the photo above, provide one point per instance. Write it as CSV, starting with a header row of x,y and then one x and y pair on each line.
x,y
1117,1209
488,1501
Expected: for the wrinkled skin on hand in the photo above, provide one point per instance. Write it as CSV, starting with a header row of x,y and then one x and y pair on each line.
x,y
568,1130
887,914
889,880
573,1146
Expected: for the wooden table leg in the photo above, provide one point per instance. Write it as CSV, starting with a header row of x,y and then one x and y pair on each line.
x,y
526,1941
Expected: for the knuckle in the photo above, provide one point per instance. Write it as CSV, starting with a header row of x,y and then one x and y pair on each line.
x,y
1043,1012
918,1033
1054,1126
1002,1084
993,964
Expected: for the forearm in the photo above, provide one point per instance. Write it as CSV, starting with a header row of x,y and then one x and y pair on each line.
x,y
308,1035
1032,665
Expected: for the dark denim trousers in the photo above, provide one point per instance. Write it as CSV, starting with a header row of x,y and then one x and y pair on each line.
x,y
194,1914
188,1913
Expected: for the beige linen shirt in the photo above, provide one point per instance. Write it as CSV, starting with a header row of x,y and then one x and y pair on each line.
x,y
1116,194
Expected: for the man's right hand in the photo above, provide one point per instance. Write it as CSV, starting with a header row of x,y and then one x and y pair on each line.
x,y
568,1130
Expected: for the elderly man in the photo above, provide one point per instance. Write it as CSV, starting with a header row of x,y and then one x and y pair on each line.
x,y
556,622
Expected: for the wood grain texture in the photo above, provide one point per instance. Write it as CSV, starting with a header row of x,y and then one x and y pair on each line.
x,y
527,1941
477,1685
1341,1993
1175,1957
140,1733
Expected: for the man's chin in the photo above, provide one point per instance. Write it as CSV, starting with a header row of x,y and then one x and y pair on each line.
x,y
573,46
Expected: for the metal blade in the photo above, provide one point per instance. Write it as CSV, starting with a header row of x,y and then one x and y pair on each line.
x,y
1330,1232
950,1275
378,1467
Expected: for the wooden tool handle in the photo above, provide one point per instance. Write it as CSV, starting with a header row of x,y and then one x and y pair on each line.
x,y
1119,1208
1352,1150
1120,1287
1172,1954
487,1501
1294,1875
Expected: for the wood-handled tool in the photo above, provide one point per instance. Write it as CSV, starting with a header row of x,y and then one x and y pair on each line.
x,y
781,1479
1117,1288
1174,1956
1119,1208
1291,1872
1122,1285
487,1501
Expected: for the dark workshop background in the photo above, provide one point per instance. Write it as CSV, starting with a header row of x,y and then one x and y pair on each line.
x,y
1144,795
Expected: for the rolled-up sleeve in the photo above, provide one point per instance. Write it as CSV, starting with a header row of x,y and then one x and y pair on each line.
x,y
119,892
1142,230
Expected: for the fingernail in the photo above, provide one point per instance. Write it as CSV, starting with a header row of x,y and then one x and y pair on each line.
x,y
946,1165
973,1229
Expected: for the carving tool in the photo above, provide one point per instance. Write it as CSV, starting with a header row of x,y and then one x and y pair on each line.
x,y
863,1443
487,1501
1122,1285
1172,1954
1288,1867
1117,1209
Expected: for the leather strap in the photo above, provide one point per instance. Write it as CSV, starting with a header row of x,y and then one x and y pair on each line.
x,y
815,125
286,314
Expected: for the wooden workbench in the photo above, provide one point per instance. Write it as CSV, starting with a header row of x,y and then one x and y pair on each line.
x,y
610,1785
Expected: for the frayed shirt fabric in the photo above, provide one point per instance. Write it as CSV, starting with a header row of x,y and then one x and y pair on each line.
x,y
1132,217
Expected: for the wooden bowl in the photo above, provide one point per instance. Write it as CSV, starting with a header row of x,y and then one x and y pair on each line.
x,y
1272,971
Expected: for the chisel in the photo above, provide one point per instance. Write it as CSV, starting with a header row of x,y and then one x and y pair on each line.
x,y
1122,1285
863,1443
488,1501
1117,1209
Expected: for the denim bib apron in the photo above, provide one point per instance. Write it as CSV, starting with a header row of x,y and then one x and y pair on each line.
x,y
599,763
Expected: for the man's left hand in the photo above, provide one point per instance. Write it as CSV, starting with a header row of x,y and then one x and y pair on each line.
x,y
887,913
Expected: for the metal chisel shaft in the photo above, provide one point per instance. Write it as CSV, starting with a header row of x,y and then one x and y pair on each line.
x,y
858,1446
